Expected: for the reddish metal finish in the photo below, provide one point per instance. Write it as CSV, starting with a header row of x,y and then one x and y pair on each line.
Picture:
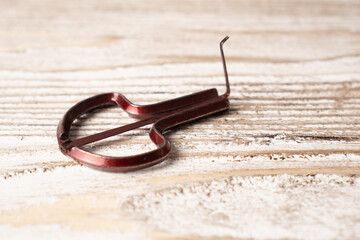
x,y
164,115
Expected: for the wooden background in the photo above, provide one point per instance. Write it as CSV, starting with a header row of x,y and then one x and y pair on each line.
x,y
283,163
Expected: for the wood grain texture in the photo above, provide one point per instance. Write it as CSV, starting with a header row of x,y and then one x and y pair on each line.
x,y
283,163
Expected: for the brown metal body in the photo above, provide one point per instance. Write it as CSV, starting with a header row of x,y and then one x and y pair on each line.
x,y
163,115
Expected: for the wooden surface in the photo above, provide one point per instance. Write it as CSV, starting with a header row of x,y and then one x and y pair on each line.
x,y
283,163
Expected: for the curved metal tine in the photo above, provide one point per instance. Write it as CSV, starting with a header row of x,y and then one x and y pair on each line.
x,y
227,93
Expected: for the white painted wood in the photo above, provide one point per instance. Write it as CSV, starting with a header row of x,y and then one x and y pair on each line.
x,y
284,162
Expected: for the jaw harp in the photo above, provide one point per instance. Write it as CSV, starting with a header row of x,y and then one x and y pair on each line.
x,y
163,115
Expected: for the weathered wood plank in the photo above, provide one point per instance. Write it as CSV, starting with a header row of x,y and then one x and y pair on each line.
x,y
284,162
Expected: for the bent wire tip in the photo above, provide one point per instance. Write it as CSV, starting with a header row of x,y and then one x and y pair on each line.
x,y
227,93
224,40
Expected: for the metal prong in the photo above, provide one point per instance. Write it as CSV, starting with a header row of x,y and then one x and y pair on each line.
x,y
224,65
